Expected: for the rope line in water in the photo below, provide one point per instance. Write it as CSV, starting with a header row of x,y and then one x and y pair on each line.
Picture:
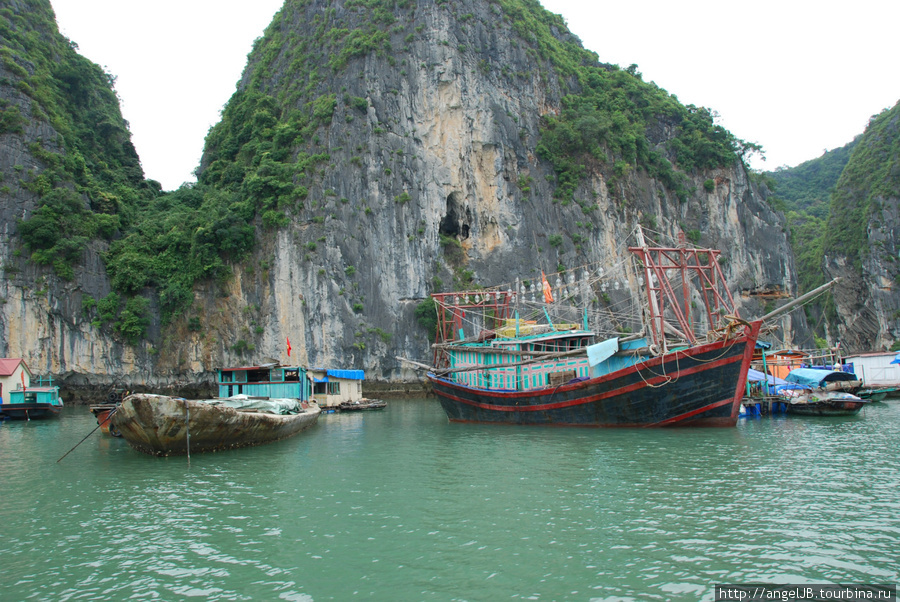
x,y
99,424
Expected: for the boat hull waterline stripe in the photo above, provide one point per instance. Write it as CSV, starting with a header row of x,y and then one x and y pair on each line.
x,y
583,400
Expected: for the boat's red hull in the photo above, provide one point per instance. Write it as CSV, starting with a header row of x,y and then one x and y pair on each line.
x,y
104,419
700,386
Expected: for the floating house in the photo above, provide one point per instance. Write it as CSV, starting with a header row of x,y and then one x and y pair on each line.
x,y
780,363
19,399
876,369
14,374
332,387
271,380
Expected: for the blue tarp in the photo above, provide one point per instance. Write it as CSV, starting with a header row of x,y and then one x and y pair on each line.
x,y
815,378
347,374
756,376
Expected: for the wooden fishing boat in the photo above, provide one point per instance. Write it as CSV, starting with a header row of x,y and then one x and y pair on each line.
x,y
256,405
362,404
103,414
822,392
876,394
544,372
33,402
103,411
27,403
19,399
160,425
825,403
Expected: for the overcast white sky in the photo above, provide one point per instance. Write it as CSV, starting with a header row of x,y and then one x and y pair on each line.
x,y
798,77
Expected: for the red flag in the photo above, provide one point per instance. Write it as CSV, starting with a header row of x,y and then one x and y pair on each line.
x,y
22,376
289,346
548,294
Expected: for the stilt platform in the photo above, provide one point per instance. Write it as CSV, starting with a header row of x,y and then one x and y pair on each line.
x,y
764,405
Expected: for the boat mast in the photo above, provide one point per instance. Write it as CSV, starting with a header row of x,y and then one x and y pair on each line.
x,y
656,317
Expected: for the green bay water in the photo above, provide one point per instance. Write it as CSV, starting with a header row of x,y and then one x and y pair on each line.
x,y
402,505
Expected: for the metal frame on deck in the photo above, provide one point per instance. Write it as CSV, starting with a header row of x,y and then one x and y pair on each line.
x,y
452,307
661,265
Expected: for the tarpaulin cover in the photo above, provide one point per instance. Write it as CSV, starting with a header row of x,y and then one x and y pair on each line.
x,y
811,377
347,374
268,406
756,376
602,351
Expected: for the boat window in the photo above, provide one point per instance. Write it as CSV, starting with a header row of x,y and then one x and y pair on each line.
x,y
334,388
30,397
320,388
292,375
276,375
257,376
226,376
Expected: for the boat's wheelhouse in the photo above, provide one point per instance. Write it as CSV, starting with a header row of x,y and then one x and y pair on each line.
x,y
275,382
31,402
35,396
499,363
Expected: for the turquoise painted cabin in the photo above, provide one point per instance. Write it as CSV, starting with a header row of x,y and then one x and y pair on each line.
x,y
31,402
496,361
274,382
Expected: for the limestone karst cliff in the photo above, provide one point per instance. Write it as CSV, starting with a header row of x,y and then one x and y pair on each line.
x,y
68,174
861,239
373,152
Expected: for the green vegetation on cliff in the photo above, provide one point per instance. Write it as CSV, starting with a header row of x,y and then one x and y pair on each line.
x,y
90,184
834,202
274,142
804,193
808,186
267,138
608,113
92,157
871,177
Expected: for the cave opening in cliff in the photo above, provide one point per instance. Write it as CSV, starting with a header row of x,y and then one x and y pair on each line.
x,y
455,222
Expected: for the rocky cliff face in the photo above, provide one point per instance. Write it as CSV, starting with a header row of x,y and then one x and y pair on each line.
x,y
414,165
66,165
861,243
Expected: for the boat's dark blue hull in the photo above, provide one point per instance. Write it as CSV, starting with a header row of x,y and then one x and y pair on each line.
x,y
27,411
700,386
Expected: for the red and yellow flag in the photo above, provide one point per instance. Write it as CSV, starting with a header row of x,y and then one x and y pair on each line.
x,y
289,346
548,294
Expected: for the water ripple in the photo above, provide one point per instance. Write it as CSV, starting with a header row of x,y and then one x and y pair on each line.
x,y
402,505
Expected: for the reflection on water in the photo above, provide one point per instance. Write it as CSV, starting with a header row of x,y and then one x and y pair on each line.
x,y
399,504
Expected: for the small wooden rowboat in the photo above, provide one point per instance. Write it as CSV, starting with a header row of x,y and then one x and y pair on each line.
x,y
162,426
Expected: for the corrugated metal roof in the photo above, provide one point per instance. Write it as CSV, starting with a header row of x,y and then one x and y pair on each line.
x,y
888,354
